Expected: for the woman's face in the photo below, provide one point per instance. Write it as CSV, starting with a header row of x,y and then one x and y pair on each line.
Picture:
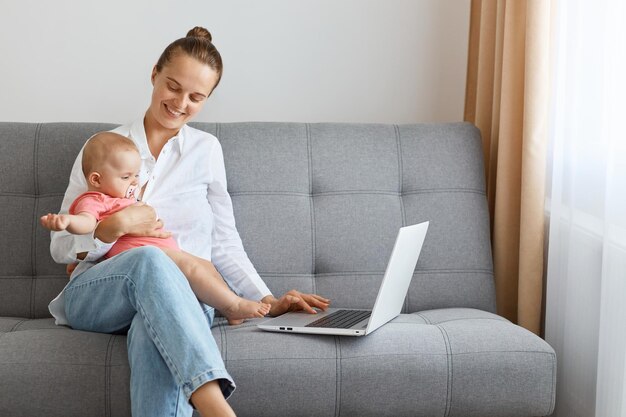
x,y
180,90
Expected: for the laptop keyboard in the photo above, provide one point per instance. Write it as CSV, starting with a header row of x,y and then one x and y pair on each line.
x,y
341,319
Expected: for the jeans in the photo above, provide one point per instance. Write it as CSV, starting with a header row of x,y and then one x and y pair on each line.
x,y
171,350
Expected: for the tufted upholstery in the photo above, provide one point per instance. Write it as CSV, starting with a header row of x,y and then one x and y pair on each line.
x,y
318,207
35,164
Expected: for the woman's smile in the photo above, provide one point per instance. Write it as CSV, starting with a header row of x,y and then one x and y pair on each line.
x,y
171,111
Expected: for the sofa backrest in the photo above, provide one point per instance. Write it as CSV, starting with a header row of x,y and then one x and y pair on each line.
x,y
318,207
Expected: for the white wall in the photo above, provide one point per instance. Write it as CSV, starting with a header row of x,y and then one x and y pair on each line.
x,y
394,61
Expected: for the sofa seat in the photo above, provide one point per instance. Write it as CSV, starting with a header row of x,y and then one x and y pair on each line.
x,y
449,362
50,370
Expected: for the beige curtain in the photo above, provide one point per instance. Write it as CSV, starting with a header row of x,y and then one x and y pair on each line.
x,y
507,98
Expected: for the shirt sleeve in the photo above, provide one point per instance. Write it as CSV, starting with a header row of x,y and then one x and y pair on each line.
x,y
63,245
227,252
89,203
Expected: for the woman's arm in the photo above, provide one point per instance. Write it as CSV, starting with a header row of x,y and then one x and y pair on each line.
x,y
230,258
227,252
138,220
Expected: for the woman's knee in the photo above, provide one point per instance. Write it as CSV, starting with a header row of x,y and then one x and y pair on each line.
x,y
152,265
150,258
148,253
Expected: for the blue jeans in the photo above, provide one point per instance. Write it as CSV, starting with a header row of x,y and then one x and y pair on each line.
x,y
171,350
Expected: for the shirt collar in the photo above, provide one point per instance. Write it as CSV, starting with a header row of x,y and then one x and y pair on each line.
x,y
181,138
138,135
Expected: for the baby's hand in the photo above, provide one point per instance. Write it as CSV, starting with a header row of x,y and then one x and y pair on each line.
x,y
56,222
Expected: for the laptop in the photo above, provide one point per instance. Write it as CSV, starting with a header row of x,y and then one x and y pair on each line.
x,y
389,301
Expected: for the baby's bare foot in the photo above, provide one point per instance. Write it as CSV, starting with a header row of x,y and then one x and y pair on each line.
x,y
245,309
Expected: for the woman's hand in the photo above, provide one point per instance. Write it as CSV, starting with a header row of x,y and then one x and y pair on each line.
x,y
293,301
138,220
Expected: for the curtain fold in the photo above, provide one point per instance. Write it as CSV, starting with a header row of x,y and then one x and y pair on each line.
x,y
507,99
586,276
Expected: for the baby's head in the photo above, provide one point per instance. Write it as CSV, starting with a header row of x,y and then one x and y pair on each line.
x,y
111,164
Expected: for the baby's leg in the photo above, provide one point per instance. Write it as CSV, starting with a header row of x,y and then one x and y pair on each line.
x,y
210,288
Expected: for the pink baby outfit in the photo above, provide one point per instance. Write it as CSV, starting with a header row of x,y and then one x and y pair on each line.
x,y
102,206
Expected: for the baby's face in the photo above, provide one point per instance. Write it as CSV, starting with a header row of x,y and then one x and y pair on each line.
x,y
120,173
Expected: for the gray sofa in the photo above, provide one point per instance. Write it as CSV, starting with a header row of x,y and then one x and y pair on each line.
x,y
318,207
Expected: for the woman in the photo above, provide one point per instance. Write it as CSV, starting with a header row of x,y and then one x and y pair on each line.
x,y
174,360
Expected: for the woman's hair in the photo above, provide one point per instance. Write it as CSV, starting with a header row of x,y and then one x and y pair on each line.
x,y
197,44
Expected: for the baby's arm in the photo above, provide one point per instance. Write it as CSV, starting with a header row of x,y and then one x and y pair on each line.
x,y
77,224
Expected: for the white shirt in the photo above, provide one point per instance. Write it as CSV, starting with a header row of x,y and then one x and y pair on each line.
x,y
186,185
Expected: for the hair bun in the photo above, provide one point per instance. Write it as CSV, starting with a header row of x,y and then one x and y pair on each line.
x,y
200,32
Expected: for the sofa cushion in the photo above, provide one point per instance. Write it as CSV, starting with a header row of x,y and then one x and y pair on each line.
x,y
55,371
446,362
317,206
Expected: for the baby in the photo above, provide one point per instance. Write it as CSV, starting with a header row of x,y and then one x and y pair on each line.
x,y
111,164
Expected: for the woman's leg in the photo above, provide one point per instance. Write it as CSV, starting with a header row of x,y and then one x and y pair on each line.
x,y
156,392
144,290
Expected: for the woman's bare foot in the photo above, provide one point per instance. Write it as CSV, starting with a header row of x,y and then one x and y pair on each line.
x,y
245,309
210,401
